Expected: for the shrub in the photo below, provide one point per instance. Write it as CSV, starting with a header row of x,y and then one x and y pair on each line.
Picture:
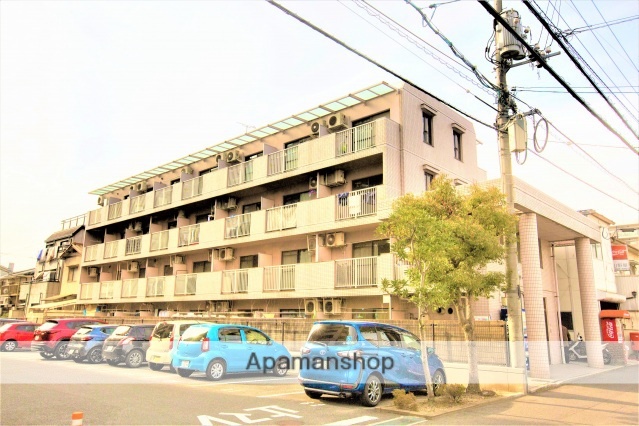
x,y
404,401
455,392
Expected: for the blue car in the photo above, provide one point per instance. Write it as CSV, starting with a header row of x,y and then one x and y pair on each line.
x,y
87,342
364,359
219,349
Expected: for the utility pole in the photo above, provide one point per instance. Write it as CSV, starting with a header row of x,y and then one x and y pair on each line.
x,y
513,294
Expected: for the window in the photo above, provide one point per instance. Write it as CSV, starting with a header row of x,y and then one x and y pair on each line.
x,y
174,181
253,156
248,261
296,198
255,337
427,119
204,266
428,177
457,147
249,208
385,114
206,171
371,248
367,182
73,274
230,335
291,313
297,142
292,257
200,218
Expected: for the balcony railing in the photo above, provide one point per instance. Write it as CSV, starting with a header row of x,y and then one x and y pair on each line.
x,y
282,161
130,288
115,210
134,245
237,226
279,278
192,187
159,240
283,217
362,202
91,253
356,139
155,286
240,173
189,235
86,291
111,249
137,204
235,281
74,221
162,197
355,273
185,284
106,290
95,216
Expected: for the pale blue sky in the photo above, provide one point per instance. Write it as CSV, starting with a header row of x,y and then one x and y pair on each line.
x,y
93,92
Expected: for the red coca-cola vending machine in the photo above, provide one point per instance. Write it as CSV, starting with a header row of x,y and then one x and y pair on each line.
x,y
612,333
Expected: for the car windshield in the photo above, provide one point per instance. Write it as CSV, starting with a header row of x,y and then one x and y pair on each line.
x,y
5,327
162,331
122,330
333,334
195,334
48,325
84,330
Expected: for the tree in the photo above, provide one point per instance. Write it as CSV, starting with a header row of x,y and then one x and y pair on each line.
x,y
447,238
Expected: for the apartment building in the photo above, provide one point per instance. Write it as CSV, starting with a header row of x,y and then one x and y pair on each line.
x,y
279,222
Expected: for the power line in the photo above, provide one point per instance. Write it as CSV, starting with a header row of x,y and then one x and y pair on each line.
x,y
598,26
361,55
552,72
614,35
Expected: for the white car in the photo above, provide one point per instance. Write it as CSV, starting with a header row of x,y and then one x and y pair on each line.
x,y
164,339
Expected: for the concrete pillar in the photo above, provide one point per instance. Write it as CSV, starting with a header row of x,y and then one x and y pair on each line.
x,y
589,303
533,297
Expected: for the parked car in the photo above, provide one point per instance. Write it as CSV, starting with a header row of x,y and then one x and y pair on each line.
x,y
218,349
14,335
52,337
4,321
128,344
164,340
87,342
364,359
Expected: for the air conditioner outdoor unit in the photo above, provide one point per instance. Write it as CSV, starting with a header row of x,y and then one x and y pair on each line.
x,y
219,157
227,254
338,122
332,306
335,178
312,182
318,128
93,272
335,239
137,226
177,259
133,266
233,156
312,306
101,201
229,204
187,170
141,186
311,242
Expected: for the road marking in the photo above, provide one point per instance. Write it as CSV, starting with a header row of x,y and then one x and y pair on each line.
x,y
248,381
279,394
402,420
353,421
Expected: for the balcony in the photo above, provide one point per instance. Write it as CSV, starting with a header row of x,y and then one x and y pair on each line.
x,y
354,140
283,161
106,289
160,240
91,253
111,249
235,281
239,174
192,187
279,278
162,197
115,210
279,218
189,235
155,286
237,226
133,245
130,288
137,204
185,285
362,202
356,273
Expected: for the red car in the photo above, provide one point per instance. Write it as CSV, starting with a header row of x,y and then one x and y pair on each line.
x,y
52,337
15,335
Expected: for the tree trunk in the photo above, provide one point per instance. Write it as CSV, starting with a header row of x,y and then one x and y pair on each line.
x,y
467,322
422,335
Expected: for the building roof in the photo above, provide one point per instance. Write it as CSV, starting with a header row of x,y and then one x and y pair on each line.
x,y
65,233
313,114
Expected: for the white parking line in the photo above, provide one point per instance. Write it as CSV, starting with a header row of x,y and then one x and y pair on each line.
x,y
248,381
353,421
279,394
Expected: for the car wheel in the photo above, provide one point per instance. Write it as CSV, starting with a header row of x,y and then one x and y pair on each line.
x,y
46,355
281,367
60,351
134,359
215,369
112,362
184,373
607,358
372,391
9,345
438,380
155,367
95,356
312,395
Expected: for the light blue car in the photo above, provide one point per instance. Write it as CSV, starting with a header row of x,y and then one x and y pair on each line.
x,y
219,349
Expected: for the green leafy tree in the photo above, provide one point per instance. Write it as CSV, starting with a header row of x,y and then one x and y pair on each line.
x,y
447,238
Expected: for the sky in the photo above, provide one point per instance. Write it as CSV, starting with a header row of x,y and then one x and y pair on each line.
x,y
93,92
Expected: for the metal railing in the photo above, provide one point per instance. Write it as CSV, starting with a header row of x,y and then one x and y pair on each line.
x,y
185,284
137,204
106,290
192,187
74,221
155,286
130,288
240,173
237,226
354,273
189,235
356,139
162,197
362,202
91,253
95,216
111,249
279,278
133,245
235,281
282,161
86,291
115,210
283,217
159,240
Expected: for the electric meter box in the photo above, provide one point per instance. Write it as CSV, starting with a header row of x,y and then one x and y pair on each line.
x,y
517,134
